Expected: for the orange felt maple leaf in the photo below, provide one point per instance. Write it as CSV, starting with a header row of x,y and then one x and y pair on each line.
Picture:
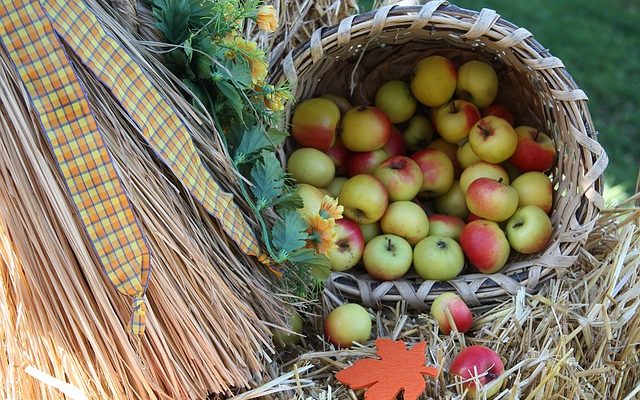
x,y
397,369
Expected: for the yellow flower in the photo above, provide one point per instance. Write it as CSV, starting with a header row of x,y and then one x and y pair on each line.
x,y
274,101
254,55
329,208
322,235
258,70
267,19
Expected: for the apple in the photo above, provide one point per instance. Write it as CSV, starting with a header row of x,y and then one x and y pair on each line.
x,y
314,123
365,162
493,139
434,80
498,110
311,198
396,100
529,230
438,258
482,169
346,324
535,150
365,129
349,245
342,103
491,199
336,184
418,133
466,156
472,217
445,225
485,245
437,171
339,155
396,145
401,176
454,120
479,365
407,220
453,202
451,150
477,82
309,165
448,308
364,199
369,231
534,188
387,257
283,338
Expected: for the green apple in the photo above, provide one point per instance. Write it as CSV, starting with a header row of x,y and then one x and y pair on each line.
x,y
492,200
346,324
349,245
418,133
493,139
336,184
438,258
401,176
455,119
314,123
407,220
387,257
477,82
482,169
434,80
364,199
308,165
365,129
396,100
283,338
453,202
466,156
459,313
485,245
529,230
369,231
534,188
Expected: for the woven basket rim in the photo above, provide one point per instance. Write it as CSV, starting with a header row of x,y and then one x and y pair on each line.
x,y
585,212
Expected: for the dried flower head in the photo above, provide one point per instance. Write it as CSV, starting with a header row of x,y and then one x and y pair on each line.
x,y
267,19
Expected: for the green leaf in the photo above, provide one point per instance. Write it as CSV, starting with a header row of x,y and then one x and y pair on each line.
x,y
173,19
233,98
276,136
238,71
256,139
290,201
317,265
289,233
267,177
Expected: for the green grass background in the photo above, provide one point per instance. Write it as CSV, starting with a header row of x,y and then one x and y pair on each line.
x,y
599,43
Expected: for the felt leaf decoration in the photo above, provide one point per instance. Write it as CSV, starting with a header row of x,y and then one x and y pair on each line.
x,y
398,369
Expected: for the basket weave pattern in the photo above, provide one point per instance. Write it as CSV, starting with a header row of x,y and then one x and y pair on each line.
x,y
353,57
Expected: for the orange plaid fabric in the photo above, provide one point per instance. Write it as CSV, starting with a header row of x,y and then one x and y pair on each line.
x,y
162,128
58,98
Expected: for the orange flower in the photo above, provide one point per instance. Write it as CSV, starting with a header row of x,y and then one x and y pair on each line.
x,y
267,19
322,235
329,208
254,55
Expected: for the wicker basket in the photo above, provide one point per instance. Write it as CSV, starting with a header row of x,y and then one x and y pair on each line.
x,y
353,57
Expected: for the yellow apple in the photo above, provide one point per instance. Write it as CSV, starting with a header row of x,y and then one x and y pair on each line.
x,y
396,100
407,220
309,165
434,81
478,83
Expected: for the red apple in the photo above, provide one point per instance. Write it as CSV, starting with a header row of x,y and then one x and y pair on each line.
x,y
314,123
451,150
437,171
364,199
349,245
459,313
401,176
498,110
478,364
485,245
365,162
454,120
482,169
472,217
445,225
493,139
492,200
339,155
365,129
535,150
396,145
346,324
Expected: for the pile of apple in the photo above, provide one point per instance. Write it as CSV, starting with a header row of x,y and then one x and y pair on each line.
x,y
433,174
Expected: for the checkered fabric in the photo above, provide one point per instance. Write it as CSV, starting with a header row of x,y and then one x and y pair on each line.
x,y
58,98
165,132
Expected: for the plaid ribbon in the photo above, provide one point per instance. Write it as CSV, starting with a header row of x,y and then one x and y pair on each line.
x,y
30,32
79,149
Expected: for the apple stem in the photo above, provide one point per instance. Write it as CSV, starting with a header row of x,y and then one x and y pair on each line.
x,y
363,107
452,107
500,180
485,131
535,135
389,245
